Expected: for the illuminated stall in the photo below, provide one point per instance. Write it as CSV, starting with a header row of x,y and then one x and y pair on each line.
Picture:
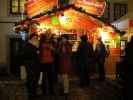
x,y
80,17
72,19
35,7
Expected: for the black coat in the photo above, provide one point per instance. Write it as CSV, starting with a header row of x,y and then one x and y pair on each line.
x,y
30,56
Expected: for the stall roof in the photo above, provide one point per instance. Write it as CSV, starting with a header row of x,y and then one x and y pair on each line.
x,y
123,22
72,19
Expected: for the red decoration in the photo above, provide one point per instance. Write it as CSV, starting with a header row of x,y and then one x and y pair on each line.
x,y
131,23
33,30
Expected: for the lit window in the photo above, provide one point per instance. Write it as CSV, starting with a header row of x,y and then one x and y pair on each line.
x,y
17,6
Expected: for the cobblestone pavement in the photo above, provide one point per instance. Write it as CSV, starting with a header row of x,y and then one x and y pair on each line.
x,y
107,90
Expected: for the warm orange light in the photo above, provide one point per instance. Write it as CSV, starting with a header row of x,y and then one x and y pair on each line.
x,y
107,33
70,19
34,7
95,7
104,34
66,21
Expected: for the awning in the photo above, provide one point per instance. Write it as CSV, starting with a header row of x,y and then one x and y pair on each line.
x,y
122,23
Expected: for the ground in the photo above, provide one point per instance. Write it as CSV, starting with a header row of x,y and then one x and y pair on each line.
x,y
107,90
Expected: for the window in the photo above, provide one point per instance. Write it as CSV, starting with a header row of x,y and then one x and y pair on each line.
x,y
17,6
119,10
106,15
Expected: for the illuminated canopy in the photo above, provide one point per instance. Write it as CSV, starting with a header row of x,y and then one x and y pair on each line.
x,y
95,7
35,7
70,17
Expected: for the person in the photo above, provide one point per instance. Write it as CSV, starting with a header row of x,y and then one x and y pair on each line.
x,y
47,63
100,53
65,64
32,63
127,65
84,54
108,50
54,43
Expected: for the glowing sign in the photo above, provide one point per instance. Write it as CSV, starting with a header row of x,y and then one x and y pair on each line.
x,y
95,7
35,7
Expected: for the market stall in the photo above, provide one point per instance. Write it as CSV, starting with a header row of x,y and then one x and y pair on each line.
x,y
76,18
80,17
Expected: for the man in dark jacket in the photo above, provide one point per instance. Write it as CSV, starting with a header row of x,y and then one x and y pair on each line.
x,y
84,54
31,61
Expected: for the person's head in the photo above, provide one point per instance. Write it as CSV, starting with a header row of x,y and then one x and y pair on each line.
x,y
84,38
33,37
99,38
43,37
107,46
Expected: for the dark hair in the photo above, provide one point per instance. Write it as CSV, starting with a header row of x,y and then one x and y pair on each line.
x,y
43,38
32,35
84,37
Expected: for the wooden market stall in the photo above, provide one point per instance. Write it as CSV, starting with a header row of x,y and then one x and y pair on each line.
x,y
80,17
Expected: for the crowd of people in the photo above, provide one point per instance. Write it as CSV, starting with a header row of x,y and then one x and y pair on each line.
x,y
53,57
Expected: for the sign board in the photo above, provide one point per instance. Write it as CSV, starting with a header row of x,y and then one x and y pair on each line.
x,y
35,7
95,7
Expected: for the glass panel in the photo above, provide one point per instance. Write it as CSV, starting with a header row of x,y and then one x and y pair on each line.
x,y
14,6
21,8
22,2
15,3
14,9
